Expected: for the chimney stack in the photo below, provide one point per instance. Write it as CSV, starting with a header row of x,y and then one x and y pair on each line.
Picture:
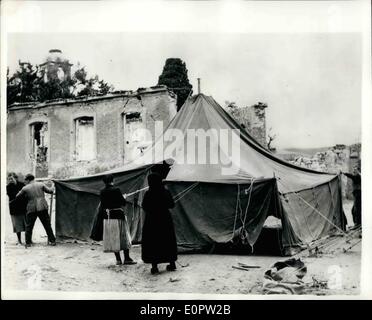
x,y
198,85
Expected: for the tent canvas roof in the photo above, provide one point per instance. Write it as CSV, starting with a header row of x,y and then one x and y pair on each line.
x,y
201,114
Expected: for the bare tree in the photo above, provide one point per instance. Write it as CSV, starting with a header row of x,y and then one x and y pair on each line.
x,y
271,137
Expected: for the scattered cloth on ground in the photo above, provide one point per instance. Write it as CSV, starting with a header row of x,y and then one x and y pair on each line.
x,y
285,277
274,287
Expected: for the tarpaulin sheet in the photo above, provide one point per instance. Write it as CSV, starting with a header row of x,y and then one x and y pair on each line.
x,y
210,213
77,201
314,213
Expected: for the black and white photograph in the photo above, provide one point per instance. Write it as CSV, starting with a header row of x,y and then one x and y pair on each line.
x,y
185,150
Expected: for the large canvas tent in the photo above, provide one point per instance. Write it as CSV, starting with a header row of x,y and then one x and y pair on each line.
x,y
220,200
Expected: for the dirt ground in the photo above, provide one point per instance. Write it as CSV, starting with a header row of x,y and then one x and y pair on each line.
x,y
75,266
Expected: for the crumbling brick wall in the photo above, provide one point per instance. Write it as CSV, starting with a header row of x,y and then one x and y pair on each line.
x,y
154,104
258,123
253,119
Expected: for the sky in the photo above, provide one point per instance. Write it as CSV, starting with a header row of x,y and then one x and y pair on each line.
x,y
311,81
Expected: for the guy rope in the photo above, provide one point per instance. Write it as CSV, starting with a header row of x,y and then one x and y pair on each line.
x,y
134,192
176,198
239,211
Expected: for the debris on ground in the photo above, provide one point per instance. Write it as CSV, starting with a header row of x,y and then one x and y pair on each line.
x,y
173,279
285,277
240,268
317,287
183,265
314,252
319,284
332,244
291,269
274,287
74,241
350,247
245,267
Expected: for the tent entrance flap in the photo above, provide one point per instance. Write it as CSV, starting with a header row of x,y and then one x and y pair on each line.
x,y
215,213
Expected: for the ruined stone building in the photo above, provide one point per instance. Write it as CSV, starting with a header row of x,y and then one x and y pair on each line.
x,y
56,66
84,136
332,160
252,119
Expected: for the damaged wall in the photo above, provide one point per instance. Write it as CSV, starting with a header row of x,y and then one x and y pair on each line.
x,y
64,129
333,160
253,119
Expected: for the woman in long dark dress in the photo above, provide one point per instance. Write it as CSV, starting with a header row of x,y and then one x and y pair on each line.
x,y
116,233
17,209
159,243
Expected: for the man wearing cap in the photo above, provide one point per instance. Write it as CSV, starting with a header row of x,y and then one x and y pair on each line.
x,y
37,207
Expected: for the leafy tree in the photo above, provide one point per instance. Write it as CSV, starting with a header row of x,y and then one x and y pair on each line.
x,y
92,86
104,87
27,84
81,75
20,85
174,76
54,89
13,89
231,107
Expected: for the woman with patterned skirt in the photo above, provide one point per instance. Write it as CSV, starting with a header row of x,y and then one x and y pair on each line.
x,y
116,233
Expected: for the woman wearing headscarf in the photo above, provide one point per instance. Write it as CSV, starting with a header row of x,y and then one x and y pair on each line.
x,y
116,234
159,243
17,209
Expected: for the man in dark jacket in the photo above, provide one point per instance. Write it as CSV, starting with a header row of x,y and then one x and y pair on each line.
x,y
37,207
